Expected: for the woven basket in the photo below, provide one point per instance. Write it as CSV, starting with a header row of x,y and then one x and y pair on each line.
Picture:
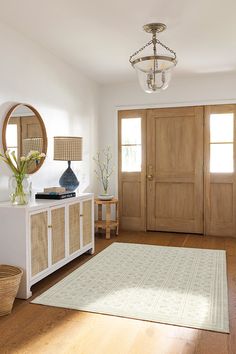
x,y
9,284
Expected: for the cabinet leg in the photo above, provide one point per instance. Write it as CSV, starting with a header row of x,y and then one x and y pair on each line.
x,y
91,251
24,291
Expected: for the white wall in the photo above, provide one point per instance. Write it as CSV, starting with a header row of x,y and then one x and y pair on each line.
x,y
68,103
66,100
189,90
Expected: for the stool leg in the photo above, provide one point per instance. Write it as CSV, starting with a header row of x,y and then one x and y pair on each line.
x,y
99,211
99,214
117,218
108,219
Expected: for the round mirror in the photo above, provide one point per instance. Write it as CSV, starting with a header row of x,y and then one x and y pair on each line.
x,y
24,131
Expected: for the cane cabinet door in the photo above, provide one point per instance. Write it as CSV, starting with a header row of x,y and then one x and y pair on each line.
x,y
74,227
58,234
87,221
39,242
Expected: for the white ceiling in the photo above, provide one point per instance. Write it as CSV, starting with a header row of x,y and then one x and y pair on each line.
x,y
99,36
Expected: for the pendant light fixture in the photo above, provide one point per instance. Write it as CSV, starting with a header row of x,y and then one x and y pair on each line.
x,y
154,71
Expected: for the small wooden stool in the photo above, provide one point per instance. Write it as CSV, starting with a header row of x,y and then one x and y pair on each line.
x,y
107,224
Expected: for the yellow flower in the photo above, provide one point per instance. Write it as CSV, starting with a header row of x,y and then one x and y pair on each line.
x,y
42,155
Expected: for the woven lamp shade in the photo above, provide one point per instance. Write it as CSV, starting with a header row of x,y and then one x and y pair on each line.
x,y
32,144
68,148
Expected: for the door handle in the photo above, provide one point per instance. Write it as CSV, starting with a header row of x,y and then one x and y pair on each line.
x,y
150,173
150,177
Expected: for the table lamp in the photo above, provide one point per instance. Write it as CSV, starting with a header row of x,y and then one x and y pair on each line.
x,y
68,148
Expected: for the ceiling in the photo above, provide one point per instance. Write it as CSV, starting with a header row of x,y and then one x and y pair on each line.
x,y
98,36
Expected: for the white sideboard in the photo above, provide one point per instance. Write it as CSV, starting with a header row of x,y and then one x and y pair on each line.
x,y
44,235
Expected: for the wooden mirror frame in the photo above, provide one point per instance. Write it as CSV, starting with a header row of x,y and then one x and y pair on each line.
x,y
45,139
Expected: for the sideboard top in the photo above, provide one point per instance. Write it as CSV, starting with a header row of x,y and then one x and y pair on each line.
x,y
46,203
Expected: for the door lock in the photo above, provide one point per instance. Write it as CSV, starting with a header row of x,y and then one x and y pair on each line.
x,y
150,177
150,173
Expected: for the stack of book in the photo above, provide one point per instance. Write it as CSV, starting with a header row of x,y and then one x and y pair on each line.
x,y
54,193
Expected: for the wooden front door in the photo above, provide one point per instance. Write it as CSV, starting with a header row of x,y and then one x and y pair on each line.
x,y
175,169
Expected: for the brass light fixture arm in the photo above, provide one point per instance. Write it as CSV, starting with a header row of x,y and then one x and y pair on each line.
x,y
167,48
153,28
138,51
156,41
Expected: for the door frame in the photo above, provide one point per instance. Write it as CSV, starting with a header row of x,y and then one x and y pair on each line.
x,y
129,112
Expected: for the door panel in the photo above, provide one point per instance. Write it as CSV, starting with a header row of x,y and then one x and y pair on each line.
x,y
175,200
221,202
30,128
175,169
131,198
173,135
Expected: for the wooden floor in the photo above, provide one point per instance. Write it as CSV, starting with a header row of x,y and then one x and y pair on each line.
x,y
40,329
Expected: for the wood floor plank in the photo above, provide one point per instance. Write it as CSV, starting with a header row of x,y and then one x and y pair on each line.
x,y
177,240
36,329
231,267
193,241
230,246
159,338
213,242
161,344
212,343
232,337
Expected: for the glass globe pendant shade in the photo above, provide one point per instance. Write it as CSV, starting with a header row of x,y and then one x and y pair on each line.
x,y
153,83
154,75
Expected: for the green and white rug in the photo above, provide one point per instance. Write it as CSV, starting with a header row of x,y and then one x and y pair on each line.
x,y
173,285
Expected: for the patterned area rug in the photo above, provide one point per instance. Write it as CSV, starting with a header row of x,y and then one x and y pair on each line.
x,y
180,286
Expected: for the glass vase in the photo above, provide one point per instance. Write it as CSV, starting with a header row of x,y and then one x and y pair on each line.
x,y
20,189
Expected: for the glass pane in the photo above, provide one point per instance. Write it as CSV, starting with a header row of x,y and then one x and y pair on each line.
x,y
131,131
11,135
221,158
131,158
222,128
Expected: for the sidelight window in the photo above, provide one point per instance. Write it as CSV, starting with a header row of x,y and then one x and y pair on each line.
x,y
11,138
221,143
131,154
